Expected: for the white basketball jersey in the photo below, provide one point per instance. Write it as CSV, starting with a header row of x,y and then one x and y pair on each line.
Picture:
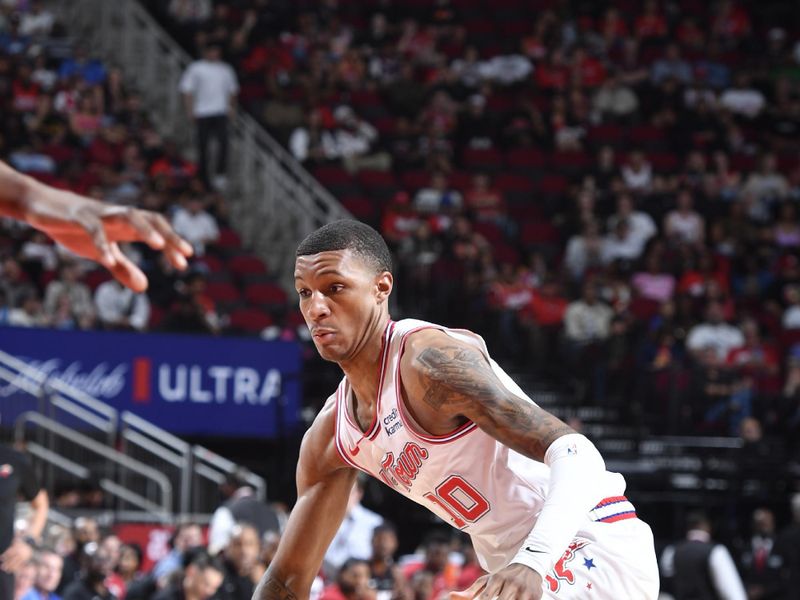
x,y
467,478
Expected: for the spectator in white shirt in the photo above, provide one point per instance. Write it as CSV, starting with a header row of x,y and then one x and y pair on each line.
x,y
588,319
209,88
354,538
584,251
80,298
637,174
641,224
352,141
742,98
767,184
37,22
699,568
791,316
118,307
714,333
195,225
684,225
622,244
438,197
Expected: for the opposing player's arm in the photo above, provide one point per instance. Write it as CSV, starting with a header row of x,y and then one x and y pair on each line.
x,y
323,487
456,380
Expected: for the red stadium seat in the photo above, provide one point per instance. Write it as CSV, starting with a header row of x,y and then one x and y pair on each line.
x,y
490,231
553,185
376,179
570,162
482,159
607,134
211,263
664,162
415,180
332,175
538,233
246,264
250,320
525,159
96,277
266,294
514,183
223,292
228,238
361,208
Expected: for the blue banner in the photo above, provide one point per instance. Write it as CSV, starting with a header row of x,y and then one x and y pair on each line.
x,y
185,384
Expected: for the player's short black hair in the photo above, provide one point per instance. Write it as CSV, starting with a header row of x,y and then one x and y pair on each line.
x,y
349,235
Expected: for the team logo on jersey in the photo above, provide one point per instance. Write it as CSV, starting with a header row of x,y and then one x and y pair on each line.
x,y
562,574
6,470
402,471
391,422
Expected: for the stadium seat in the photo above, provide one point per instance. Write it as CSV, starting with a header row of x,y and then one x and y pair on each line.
x,y
514,183
246,264
223,292
482,159
360,207
228,239
525,160
266,295
249,320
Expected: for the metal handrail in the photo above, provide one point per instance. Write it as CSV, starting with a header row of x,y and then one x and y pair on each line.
x,y
120,459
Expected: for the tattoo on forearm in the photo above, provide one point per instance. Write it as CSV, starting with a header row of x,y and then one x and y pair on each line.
x,y
273,589
462,379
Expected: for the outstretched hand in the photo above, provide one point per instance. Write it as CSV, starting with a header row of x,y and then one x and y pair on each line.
x,y
92,229
514,582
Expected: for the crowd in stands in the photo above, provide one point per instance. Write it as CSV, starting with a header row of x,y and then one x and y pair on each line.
x,y
610,185
70,120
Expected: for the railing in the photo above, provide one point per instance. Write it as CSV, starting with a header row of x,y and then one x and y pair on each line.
x,y
274,200
148,471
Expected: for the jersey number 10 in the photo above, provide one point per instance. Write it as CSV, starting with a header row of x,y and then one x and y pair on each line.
x,y
460,500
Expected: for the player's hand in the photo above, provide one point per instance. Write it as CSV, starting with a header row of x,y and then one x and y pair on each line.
x,y
92,229
16,555
514,582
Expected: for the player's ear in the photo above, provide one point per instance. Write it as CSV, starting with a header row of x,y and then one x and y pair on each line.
x,y
383,286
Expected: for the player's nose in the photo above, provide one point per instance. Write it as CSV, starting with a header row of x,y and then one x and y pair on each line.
x,y
318,307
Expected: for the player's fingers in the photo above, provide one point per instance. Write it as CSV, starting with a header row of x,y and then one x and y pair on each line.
x,y
492,590
94,227
472,591
172,238
143,227
126,272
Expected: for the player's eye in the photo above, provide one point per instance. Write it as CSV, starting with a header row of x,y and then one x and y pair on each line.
x,y
304,293
336,287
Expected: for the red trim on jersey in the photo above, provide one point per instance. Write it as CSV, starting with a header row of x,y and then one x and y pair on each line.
x,y
339,442
611,500
375,427
425,437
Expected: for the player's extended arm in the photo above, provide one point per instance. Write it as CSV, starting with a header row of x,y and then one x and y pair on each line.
x,y
457,380
323,488
88,227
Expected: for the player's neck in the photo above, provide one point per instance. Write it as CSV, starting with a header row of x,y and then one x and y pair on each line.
x,y
363,369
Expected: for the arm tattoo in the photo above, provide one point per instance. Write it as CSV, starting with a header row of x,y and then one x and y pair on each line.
x,y
273,589
462,380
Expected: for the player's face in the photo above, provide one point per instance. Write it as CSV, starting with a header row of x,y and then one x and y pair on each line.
x,y
341,299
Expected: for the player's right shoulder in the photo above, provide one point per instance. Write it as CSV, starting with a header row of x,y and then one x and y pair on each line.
x,y
318,455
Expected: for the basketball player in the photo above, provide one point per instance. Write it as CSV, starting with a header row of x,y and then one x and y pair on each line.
x,y
88,227
425,410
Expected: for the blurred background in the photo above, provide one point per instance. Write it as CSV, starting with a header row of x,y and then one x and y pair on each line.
x,y
606,191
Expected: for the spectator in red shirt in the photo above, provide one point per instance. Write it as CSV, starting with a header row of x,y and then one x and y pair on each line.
x,y
436,570
651,23
586,69
483,201
352,583
172,167
25,91
756,360
731,22
400,221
